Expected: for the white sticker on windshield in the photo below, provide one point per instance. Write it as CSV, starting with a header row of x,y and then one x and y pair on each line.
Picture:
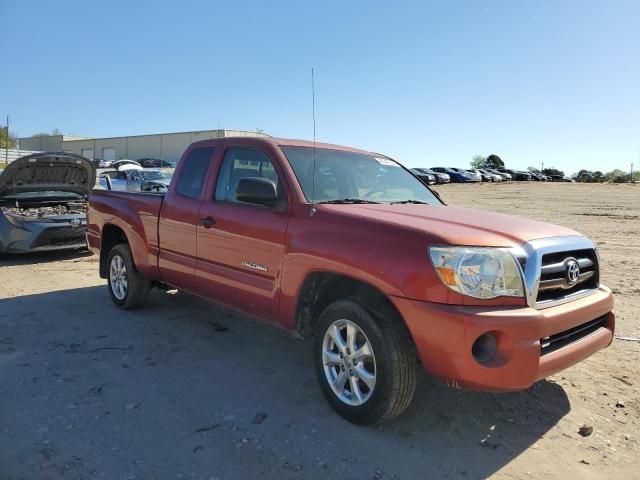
x,y
386,161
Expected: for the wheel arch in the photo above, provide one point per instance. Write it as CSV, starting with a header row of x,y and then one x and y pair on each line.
x,y
321,288
112,235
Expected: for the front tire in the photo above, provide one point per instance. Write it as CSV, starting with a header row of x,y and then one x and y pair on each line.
x,y
366,366
128,289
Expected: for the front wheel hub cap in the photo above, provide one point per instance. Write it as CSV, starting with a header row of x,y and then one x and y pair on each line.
x,y
118,277
348,362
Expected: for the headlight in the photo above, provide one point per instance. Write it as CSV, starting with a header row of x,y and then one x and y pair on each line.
x,y
479,272
15,220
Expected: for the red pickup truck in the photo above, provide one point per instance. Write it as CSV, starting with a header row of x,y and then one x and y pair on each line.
x,y
351,248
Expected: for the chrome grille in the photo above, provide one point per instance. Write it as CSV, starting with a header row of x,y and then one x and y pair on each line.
x,y
556,279
547,253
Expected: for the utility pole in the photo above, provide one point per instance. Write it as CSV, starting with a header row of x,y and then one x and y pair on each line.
x,y
6,150
631,174
541,169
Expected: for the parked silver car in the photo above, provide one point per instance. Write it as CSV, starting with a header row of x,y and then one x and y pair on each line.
x,y
493,176
135,180
505,176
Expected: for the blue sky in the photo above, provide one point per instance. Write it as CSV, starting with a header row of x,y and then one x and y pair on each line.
x,y
429,83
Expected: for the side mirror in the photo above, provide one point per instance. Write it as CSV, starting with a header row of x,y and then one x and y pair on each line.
x,y
256,190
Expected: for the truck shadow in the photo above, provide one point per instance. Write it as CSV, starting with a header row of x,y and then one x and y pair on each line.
x,y
14,259
183,375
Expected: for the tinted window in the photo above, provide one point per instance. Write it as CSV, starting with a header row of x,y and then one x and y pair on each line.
x,y
241,163
193,171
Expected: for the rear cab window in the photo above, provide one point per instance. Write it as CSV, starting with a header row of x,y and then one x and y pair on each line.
x,y
193,171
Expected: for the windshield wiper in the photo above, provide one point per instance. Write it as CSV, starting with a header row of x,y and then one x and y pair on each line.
x,y
348,200
409,201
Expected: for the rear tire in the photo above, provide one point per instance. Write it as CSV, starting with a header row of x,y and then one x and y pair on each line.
x,y
368,375
127,288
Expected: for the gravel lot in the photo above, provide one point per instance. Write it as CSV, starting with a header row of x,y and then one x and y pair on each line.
x,y
185,389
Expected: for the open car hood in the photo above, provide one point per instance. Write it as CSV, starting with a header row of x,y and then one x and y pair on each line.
x,y
48,171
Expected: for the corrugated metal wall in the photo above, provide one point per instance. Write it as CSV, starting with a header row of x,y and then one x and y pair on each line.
x,y
165,146
8,156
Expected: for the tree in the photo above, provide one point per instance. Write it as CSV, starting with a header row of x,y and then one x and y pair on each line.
x,y
616,176
54,132
597,176
584,176
494,161
478,161
6,139
533,169
552,171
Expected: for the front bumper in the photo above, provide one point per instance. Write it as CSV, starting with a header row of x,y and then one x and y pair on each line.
x,y
444,335
42,236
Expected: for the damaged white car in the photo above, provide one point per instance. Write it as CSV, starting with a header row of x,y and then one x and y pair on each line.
x,y
43,201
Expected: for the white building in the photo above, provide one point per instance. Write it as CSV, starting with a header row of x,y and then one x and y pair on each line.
x,y
164,146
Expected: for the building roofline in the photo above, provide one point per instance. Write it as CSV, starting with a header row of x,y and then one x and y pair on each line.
x,y
258,134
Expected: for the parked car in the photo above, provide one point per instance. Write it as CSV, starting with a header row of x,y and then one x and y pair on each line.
x,y
135,180
475,176
505,176
43,202
516,174
492,177
455,175
118,164
154,163
282,230
538,177
103,163
485,176
560,178
440,177
425,177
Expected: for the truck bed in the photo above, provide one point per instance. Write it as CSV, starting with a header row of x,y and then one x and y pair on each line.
x,y
135,213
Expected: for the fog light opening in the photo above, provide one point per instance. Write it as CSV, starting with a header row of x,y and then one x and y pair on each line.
x,y
485,347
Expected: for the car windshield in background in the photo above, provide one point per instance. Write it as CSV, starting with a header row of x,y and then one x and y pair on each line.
x,y
351,177
155,175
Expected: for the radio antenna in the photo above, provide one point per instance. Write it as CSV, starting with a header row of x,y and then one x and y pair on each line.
x,y
313,113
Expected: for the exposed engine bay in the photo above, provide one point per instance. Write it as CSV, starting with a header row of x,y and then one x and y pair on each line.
x,y
43,202
33,210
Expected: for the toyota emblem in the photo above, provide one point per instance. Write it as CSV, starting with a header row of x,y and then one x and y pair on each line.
x,y
573,271
75,222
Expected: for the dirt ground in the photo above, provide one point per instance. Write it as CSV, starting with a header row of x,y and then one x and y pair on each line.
x,y
185,389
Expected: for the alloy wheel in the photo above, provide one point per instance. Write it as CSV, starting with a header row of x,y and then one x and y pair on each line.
x,y
349,363
118,277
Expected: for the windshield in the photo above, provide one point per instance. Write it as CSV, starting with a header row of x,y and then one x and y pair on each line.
x,y
358,177
155,175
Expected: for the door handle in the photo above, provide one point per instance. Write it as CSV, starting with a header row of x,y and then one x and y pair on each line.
x,y
207,222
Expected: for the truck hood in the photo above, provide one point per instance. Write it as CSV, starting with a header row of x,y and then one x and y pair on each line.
x,y
48,171
455,225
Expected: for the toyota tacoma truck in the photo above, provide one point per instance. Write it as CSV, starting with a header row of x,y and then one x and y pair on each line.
x,y
350,248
